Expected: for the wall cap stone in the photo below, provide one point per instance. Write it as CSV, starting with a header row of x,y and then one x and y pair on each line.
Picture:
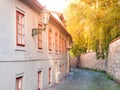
x,y
88,52
114,40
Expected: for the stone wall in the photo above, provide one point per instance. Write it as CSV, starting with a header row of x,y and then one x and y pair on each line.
x,y
89,60
113,67
73,62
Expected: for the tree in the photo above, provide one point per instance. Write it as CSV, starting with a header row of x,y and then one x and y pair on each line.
x,y
93,24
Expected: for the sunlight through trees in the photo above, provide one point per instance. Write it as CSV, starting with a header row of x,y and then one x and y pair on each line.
x,y
92,25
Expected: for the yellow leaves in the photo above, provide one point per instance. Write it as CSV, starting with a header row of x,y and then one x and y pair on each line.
x,y
89,21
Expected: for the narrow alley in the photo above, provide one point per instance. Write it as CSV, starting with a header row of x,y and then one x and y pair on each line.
x,y
82,79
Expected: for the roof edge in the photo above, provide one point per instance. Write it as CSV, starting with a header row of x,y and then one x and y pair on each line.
x,y
63,28
33,4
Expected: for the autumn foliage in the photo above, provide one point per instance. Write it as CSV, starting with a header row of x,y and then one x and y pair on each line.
x,y
92,25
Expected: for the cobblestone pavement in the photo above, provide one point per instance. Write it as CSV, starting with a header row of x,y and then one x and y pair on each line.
x,y
81,79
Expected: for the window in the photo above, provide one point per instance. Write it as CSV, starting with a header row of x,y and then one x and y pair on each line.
x,y
56,42
66,68
61,69
20,29
40,37
39,80
19,83
49,76
60,43
50,40
65,46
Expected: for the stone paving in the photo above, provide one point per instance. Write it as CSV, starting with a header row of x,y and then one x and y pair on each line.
x,y
82,79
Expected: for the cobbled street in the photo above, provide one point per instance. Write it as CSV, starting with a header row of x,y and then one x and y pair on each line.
x,y
82,79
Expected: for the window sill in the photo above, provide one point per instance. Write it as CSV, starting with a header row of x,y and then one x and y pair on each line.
x,y
50,52
56,52
49,83
40,51
19,48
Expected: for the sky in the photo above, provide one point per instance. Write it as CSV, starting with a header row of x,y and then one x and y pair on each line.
x,y
54,5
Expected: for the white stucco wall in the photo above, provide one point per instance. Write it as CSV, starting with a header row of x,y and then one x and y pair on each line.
x,y
26,61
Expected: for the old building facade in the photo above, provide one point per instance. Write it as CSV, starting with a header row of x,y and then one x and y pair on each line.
x,y
31,62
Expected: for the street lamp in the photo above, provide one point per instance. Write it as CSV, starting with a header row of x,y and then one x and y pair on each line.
x,y
45,15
